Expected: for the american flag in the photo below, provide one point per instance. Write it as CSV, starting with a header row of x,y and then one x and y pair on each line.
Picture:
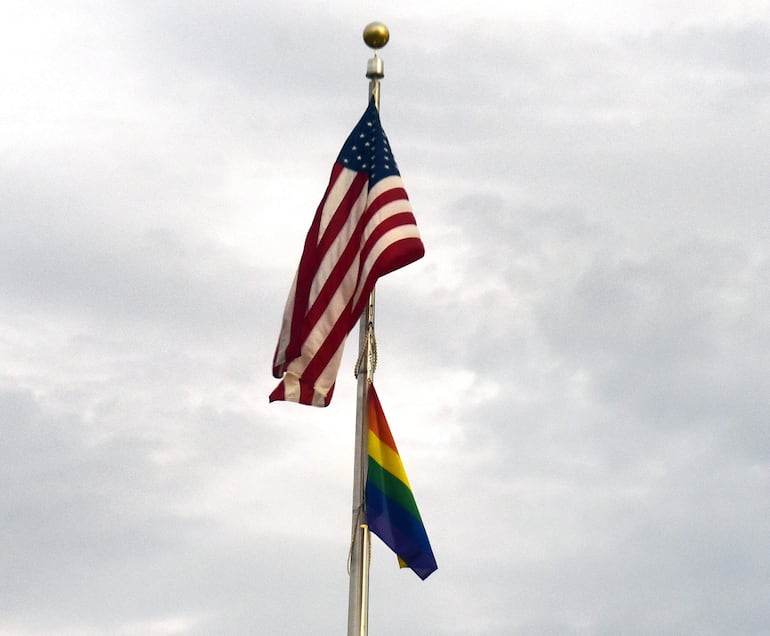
x,y
363,229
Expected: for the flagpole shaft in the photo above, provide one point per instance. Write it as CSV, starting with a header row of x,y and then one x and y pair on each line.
x,y
358,598
376,35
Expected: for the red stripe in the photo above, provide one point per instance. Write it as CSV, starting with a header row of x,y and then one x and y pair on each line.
x,y
306,393
392,222
378,423
279,393
389,196
341,216
329,346
393,257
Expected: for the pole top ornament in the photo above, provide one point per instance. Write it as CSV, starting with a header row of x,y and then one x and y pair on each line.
x,y
376,35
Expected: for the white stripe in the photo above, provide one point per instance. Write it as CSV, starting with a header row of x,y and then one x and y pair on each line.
x,y
328,376
383,185
291,387
342,239
318,399
336,194
324,382
339,301
331,258
384,213
283,337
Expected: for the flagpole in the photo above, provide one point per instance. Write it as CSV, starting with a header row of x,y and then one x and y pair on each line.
x,y
376,35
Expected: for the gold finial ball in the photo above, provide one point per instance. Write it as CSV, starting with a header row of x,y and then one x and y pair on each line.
x,y
376,35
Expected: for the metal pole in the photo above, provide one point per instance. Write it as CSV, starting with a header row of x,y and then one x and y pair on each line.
x,y
376,36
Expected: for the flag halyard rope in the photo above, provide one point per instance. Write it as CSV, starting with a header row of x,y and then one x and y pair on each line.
x,y
368,346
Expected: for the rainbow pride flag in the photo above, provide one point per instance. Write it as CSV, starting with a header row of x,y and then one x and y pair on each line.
x,y
390,507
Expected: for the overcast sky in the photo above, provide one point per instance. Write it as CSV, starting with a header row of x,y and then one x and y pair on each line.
x,y
577,373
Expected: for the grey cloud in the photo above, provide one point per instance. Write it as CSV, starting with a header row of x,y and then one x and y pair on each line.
x,y
579,358
96,538
70,262
739,47
662,334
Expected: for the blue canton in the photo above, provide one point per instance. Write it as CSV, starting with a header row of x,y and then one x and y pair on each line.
x,y
367,148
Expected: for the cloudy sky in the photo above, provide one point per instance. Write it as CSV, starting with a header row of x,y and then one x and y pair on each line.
x,y
577,373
